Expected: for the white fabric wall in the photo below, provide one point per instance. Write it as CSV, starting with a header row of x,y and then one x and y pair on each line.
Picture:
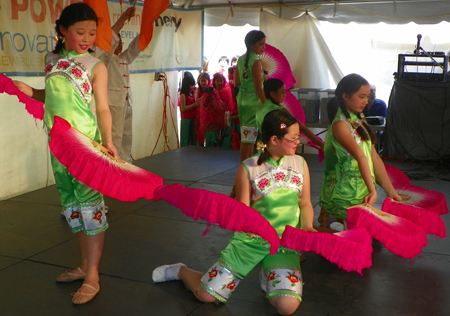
x,y
25,158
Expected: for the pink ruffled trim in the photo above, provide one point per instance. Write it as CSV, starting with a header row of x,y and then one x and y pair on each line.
x,y
399,235
34,107
429,220
219,209
351,250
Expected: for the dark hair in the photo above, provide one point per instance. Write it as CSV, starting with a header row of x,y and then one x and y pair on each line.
x,y
332,107
200,76
188,74
272,85
224,58
234,58
231,70
187,81
218,75
275,123
349,85
76,12
251,39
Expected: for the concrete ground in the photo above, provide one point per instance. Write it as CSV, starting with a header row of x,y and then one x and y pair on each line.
x,y
36,245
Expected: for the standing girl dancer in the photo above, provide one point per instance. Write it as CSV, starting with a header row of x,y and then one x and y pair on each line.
x,y
72,76
351,179
275,92
188,108
221,85
250,77
276,183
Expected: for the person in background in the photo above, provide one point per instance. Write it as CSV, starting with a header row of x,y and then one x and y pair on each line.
x,y
223,65
188,108
375,107
220,84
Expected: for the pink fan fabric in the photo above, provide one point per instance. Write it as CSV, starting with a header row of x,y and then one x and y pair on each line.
x,y
351,250
430,221
399,235
219,209
34,107
295,108
396,176
112,177
277,66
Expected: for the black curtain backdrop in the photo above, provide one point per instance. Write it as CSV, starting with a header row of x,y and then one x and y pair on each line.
x,y
418,121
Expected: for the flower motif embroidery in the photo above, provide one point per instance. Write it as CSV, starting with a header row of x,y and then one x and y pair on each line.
x,y
279,176
296,180
48,68
271,276
255,134
75,215
98,216
293,278
213,273
252,192
263,183
245,132
231,286
86,87
63,64
77,72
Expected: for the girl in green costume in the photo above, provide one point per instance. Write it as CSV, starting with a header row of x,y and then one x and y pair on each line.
x,y
353,166
250,77
276,183
72,77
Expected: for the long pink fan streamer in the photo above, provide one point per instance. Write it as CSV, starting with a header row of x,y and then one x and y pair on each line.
x,y
351,250
399,235
415,196
90,163
219,209
34,107
430,221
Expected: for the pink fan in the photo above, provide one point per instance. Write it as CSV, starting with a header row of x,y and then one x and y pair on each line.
x,y
92,164
415,196
294,107
277,66
430,221
219,209
351,250
34,107
399,235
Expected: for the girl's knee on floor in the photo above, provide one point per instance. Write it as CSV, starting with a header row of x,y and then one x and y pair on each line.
x,y
285,305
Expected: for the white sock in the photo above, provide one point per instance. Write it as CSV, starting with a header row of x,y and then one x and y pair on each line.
x,y
172,271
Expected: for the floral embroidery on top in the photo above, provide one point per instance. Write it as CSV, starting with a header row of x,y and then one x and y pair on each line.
x,y
63,64
279,176
263,183
77,72
296,180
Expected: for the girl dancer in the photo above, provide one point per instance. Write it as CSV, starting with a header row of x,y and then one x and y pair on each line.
x,y
352,163
188,107
275,92
220,84
277,184
72,77
250,77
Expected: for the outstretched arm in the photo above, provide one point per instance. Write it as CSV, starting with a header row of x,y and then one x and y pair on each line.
x,y
104,120
37,94
128,14
304,202
311,136
382,178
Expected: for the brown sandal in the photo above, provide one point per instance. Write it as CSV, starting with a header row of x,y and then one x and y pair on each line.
x,y
70,276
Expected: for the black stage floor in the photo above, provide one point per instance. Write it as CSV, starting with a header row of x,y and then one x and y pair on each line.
x,y
36,245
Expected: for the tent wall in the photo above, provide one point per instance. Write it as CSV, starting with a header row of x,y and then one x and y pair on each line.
x,y
24,147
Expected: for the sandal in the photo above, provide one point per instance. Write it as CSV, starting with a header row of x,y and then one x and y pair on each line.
x,y
82,298
70,276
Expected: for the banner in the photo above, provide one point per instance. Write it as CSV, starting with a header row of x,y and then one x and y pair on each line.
x,y
27,35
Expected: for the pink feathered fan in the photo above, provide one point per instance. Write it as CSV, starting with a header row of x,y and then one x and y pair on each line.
x,y
277,66
34,107
399,235
219,209
351,250
91,163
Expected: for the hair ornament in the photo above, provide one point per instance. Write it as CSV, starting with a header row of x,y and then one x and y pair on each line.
x,y
261,146
363,118
282,126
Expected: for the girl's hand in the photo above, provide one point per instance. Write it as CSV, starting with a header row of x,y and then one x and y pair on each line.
x,y
371,197
111,148
198,102
394,195
310,229
24,88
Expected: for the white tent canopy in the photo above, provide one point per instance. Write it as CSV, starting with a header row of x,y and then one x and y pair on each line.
x,y
241,12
